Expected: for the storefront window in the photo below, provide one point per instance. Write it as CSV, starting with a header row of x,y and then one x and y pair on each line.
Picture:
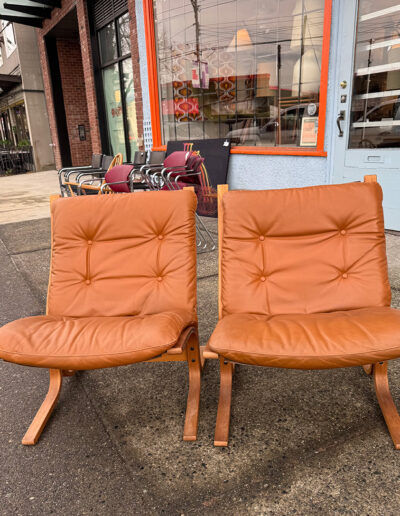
x,y
240,69
21,124
124,34
5,128
112,99
129,93
375,113
118,88
108,43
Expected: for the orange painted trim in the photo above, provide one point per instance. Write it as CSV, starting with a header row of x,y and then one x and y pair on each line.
x,y
272,151
323,91
276,151
290,151
152,71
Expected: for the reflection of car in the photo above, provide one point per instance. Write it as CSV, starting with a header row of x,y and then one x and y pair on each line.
x,y
378,127
267,134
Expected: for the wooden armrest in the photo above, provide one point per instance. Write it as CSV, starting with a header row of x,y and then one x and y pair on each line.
x,y
210,354
181,344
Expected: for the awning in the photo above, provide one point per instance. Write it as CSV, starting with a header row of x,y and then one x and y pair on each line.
x,y
8,82
27,12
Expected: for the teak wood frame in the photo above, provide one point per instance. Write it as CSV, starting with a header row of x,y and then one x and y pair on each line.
x,y
186,349
378,371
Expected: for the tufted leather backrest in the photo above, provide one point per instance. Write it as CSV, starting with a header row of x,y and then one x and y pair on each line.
x,y
117,255
303,250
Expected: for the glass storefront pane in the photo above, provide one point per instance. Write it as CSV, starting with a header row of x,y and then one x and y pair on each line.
x,y
107,43
124,35
113,106
375,112
240,70
129,95
21,124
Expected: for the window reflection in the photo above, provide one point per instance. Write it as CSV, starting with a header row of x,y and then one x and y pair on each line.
x,y
108,43
375,113
237,69
124,34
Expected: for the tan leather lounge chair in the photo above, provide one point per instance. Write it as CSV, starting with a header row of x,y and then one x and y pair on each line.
x,y
304,285
122,289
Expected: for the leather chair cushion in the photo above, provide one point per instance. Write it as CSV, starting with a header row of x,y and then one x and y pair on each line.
x,y
304,250
123,255
310,341
90,342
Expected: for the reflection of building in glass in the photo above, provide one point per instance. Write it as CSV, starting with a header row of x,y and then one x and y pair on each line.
x,y
263,68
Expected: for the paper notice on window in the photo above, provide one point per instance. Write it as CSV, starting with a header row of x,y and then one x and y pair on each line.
x,y
309,131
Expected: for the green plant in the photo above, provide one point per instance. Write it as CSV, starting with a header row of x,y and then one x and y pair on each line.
x,y
5,143
24,143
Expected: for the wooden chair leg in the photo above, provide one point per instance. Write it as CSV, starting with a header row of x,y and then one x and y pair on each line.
x,y
224,403
39,422
368,369
202,359
386,403
193,400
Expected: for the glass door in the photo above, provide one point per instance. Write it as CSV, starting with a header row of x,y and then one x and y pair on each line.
x,y
367,137
118,88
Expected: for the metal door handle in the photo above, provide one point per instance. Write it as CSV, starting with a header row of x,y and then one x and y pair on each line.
x,y
339,119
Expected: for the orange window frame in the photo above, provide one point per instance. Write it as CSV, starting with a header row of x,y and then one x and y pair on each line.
x,y
289,151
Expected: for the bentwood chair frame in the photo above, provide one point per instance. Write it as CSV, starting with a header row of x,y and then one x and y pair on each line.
x,y
378,371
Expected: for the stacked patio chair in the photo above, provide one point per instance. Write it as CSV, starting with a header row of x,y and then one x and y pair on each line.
x,y
179,170
65,174
119,178
92,185
125,178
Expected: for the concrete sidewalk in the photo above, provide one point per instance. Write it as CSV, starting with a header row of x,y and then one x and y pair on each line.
x,y
26,196
301,442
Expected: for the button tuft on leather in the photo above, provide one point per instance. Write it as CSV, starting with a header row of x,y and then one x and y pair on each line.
x,y
89,242
344,275
263,278
160,237
88,282
262,237
343,232
159,278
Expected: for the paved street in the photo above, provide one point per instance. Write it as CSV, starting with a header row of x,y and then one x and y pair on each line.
x,y
302,443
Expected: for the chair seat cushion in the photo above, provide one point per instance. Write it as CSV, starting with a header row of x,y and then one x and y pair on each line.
x,y
90,342
310,341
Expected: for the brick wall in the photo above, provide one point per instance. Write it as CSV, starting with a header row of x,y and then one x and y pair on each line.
x,y
73,86
93,137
